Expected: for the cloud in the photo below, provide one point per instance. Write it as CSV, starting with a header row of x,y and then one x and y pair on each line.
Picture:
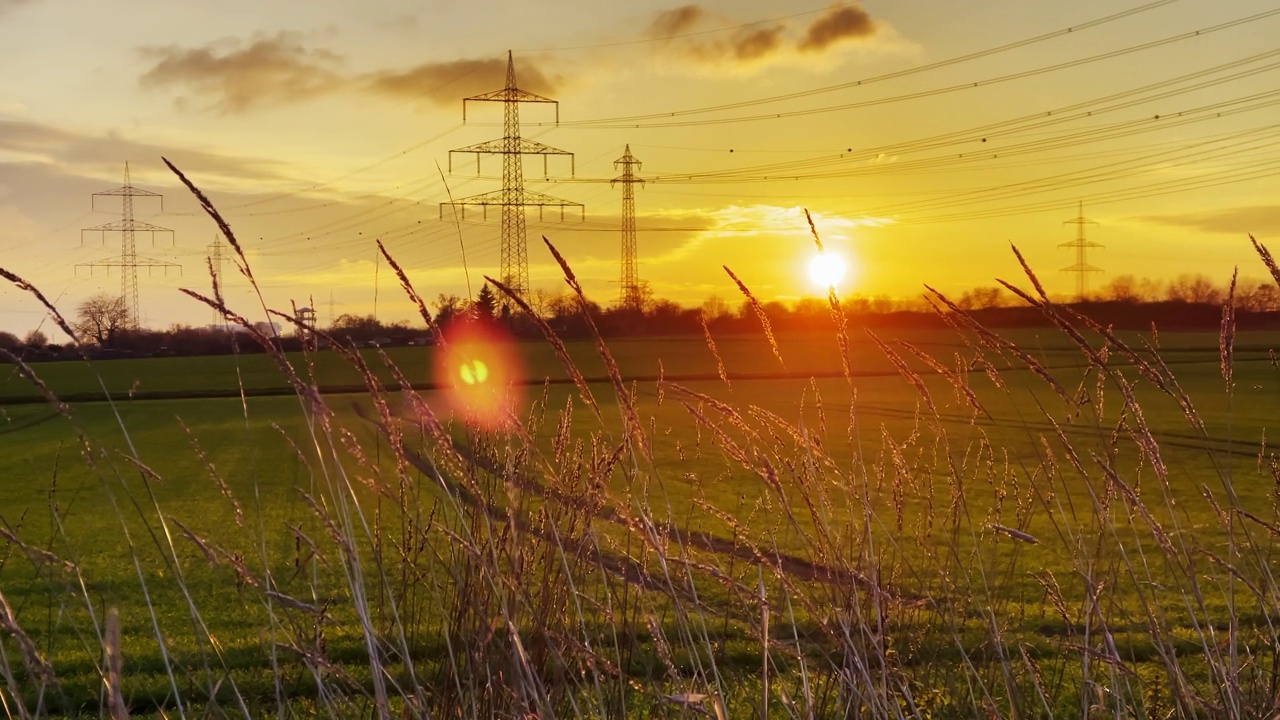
x,y
448,82
239,77
675,21
96,154
752,44
7,5
838,23
1256,219
758,44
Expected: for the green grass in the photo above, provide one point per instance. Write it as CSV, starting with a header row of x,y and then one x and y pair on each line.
x,y
890,466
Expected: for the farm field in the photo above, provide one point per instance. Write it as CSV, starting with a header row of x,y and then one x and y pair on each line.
x,y
219,524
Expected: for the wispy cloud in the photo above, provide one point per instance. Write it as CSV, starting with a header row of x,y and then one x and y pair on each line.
x,y
94,154
447,82
1256,219
237,77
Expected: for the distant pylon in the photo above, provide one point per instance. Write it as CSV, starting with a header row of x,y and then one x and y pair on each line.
x,y
630,297
1081,267
128,260
512,198
216,262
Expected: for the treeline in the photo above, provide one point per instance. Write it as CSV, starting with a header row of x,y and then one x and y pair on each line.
x,y
1188,302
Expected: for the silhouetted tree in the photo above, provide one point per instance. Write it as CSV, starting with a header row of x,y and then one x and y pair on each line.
x,y
9,341
1122,288
1194,289
35,339
449,307
486,304
102,318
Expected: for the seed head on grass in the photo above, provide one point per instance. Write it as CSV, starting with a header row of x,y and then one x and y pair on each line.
x,y
53,311
412,293
711,343
36,665
1227,333
207,205
760,313
626,401
556,344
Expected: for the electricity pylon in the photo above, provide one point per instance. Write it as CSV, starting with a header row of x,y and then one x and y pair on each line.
x,y
216,262
512,198
1081,267
630,296
128,260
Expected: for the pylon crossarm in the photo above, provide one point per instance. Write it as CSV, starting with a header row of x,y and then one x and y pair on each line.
x,y
129,190
121,226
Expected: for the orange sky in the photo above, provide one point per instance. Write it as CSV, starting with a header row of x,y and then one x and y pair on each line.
x,y
318,126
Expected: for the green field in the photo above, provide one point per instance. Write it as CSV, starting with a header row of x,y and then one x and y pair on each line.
x,y
949,539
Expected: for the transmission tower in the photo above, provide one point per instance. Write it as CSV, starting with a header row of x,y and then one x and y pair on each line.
x,y
128,228
512,198
216,262
630,296
1081,267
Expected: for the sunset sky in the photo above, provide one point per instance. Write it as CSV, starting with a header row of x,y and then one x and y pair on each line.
x,y
924,136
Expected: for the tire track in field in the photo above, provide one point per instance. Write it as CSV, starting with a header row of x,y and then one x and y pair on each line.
x,y
1208,443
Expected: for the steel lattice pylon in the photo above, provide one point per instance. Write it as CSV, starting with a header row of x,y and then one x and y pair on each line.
x,y
1081,267
512,198
128,260
630,296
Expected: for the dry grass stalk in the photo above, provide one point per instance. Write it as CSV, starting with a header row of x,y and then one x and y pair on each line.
x,y
207,205
905,370
213,473
760,313
39,557
53,311
37,667
562,353
630,418
413,295
711,344
999,344
115,666
1227,333
813,229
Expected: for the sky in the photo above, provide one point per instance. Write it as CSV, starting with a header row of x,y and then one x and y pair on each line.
x,y
925,137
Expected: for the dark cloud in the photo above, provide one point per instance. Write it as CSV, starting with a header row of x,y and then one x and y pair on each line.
x,y
237,77
838,23
7,5
96,154
1256,219
675,21
758,44
449,82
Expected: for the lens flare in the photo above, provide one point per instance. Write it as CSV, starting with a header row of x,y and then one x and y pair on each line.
x,y
480,374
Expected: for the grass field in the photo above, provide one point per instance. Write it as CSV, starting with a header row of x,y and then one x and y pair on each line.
x,y
912,542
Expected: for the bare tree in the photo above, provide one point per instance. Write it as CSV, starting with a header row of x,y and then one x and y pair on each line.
x,y
35,339
102,318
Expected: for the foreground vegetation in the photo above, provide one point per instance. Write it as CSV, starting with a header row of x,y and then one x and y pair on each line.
x,y
959,524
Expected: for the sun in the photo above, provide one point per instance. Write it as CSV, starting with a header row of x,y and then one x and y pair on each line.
x,y
827,269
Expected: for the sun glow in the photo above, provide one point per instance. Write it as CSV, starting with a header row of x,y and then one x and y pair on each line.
x,y
827,269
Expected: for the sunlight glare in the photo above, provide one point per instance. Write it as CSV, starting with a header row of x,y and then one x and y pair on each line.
x,y
827,269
